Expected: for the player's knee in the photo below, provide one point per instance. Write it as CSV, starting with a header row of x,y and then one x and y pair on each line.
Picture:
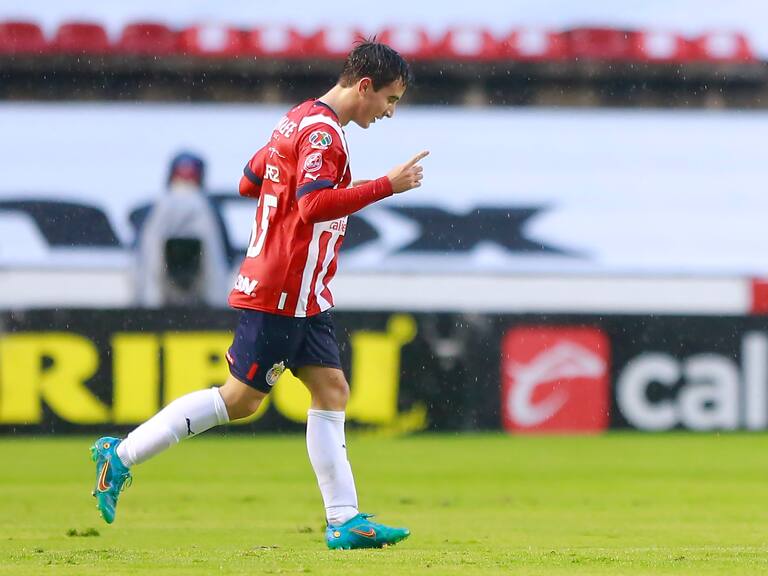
x,y
243,407
252,405
334,395
241,400
342,394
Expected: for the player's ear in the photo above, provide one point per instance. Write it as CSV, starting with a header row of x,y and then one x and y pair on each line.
x,y
364,85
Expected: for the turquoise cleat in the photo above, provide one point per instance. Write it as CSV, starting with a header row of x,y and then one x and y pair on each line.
x,y
112,476
359,532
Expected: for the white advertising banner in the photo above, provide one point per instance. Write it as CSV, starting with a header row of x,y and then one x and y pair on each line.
x,y
514,191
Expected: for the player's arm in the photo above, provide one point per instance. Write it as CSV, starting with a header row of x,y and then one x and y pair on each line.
x,y
253,174
328,203
321,170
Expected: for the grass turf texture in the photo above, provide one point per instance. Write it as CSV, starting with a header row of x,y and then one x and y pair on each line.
x,y
476,504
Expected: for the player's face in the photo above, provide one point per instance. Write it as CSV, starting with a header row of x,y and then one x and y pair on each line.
x,y
377,104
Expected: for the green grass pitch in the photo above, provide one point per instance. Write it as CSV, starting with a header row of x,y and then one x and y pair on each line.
x,y
476,504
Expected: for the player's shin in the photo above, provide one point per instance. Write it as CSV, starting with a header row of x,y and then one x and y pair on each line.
x,y
326,445
184,417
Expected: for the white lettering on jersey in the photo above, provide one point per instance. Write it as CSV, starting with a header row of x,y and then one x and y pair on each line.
x,y
245,285
258,237
273,151
311,176
272,173
286,126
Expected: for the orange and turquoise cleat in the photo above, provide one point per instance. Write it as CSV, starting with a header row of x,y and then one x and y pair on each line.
x,y
360,532
112,476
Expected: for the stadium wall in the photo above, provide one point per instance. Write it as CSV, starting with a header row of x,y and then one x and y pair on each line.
x,y
600,211
91,370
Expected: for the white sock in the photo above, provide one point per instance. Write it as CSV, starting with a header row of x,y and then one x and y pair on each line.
x,y
327,450
187,416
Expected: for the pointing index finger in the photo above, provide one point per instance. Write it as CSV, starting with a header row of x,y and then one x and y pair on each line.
x,y
417,158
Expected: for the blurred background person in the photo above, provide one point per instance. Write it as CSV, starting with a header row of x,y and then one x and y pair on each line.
x,y
181,257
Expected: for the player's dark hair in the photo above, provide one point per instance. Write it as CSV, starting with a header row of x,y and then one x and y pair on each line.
x,y
376,61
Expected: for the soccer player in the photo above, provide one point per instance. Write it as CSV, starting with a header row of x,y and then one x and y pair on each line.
x,y
302,178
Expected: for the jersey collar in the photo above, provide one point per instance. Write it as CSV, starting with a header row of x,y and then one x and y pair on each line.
x,y
323,104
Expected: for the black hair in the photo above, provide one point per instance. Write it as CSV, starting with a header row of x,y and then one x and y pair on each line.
x,y
377,61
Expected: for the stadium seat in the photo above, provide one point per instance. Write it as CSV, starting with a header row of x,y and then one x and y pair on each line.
x,y
722,47
81,38
212,40
275,41
658,46
333,41
413,42
531,44
759,296
147,39
598,44
18,37
467,43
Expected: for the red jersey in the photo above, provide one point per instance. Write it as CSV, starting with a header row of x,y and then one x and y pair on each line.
x,y
301,177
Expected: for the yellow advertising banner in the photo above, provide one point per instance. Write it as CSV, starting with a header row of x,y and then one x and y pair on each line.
x,y
123,377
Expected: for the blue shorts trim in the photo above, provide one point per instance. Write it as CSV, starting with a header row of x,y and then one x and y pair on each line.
x,y
266,344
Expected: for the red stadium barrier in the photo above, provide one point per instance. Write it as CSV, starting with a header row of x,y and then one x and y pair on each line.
x,y
81,38
333,42
464,43
212,40
275,41
598,44
467,43
759,296
18,37
658,46
148,38
722,47
532,44
411,41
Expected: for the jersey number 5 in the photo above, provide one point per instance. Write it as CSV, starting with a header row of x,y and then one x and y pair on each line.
x,y
258,236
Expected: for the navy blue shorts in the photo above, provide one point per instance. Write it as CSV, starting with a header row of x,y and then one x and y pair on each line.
x,y
266,344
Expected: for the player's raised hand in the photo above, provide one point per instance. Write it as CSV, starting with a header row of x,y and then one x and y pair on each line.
x,y
408,175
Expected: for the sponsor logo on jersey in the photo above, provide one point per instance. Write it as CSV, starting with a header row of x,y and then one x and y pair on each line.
x,y
339,225
555,378
314,162
274,373
245,285
320,140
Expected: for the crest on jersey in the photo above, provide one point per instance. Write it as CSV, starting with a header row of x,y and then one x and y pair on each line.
x,y
320,140
274,373
313,162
